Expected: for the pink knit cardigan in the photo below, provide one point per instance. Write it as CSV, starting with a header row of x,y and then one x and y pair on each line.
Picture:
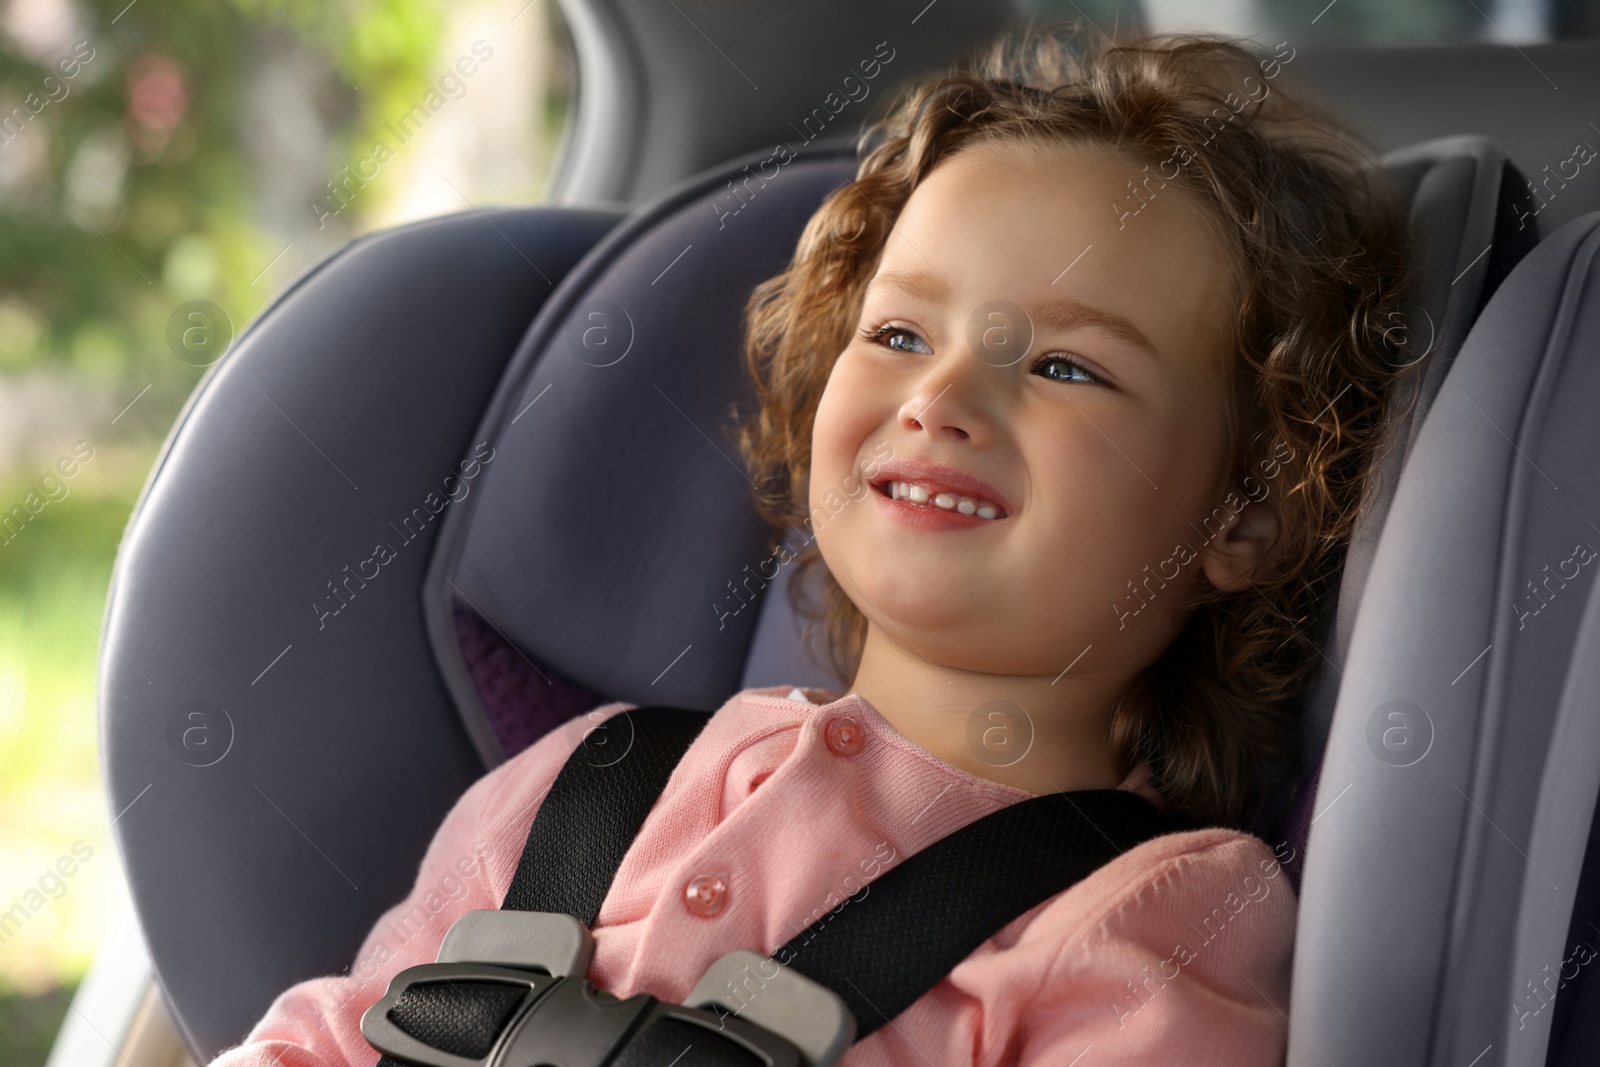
x,y
1176,952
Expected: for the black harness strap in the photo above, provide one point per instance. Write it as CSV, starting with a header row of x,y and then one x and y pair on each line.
x,y
912,924
595,808
878,951
579,836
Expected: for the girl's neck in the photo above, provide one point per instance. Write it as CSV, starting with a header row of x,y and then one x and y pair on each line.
x,y
1022,731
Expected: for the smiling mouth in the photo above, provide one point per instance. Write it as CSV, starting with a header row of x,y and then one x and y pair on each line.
x,y
917,494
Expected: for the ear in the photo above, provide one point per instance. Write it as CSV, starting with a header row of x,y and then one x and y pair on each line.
x,y
1229,557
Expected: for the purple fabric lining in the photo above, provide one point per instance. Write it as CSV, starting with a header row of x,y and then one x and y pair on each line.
x,y
523,702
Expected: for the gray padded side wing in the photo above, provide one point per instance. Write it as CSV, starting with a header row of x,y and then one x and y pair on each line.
x,y
278,747
1444,861
1454,187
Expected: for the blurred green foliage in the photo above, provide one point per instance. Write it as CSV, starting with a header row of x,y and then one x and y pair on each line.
x,y
150,124
54,574
28,1024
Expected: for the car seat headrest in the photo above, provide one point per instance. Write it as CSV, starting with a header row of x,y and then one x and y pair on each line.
x,y
614,540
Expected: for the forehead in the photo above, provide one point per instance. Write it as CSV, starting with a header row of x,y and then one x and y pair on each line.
x,y
1058,227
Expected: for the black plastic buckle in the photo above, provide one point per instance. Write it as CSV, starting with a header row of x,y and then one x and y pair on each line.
x,y
560,1018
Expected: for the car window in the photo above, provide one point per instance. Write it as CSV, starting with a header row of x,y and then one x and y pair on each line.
x,y
1363,22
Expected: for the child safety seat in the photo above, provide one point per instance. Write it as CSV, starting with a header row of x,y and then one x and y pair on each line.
x,y
509,988
394,538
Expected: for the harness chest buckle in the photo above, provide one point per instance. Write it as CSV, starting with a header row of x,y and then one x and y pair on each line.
x,y
511,985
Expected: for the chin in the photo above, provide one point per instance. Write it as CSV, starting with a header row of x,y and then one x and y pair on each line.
x,y
913,607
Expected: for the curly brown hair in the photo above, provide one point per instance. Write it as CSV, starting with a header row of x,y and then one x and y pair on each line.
x,y
1321,249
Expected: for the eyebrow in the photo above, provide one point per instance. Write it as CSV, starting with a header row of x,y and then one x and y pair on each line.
x,y
1056,313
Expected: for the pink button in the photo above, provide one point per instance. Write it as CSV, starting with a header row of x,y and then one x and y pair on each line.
x,y
705,894
844,736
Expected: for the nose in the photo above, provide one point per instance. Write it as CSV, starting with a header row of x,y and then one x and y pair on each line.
x,y
954,396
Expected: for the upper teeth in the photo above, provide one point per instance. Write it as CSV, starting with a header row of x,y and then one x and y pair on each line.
x,y
918,493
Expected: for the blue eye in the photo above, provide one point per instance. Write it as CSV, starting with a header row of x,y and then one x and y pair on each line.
x,y
878,334
1067,361
883,335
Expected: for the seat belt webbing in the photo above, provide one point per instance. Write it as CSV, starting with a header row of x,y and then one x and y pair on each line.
x,y
595,807
916,921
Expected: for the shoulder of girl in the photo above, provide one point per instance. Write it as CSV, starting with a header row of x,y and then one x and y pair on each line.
x,y
1212,905
1174,877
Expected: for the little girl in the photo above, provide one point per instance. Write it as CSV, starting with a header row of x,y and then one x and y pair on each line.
x,y
1084,374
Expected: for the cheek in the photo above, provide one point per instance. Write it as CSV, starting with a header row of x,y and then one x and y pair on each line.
x,y
1156,460
842,417
834,435
1111,496
827,436
1101,464
1092,524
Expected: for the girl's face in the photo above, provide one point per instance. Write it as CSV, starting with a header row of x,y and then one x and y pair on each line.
x,y
1104,438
